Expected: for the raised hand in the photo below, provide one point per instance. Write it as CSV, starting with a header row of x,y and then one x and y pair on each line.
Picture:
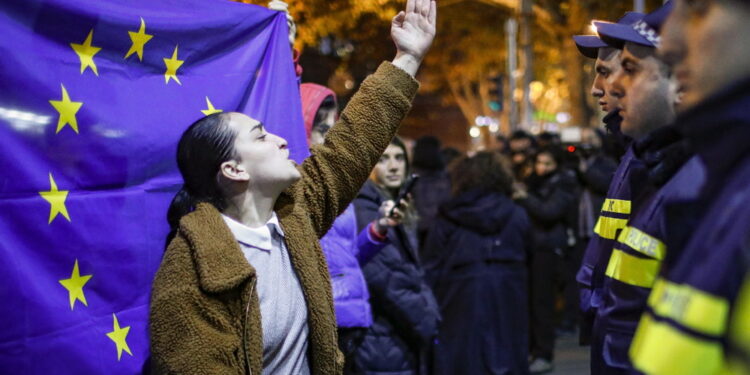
x,y
413,31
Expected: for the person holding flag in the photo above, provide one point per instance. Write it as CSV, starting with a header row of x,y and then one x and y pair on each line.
x,y
243,286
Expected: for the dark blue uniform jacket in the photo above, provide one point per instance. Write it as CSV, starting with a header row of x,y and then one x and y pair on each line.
x,y
628,182
684,330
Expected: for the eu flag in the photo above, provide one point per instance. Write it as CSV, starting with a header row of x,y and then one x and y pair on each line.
x,y
94,95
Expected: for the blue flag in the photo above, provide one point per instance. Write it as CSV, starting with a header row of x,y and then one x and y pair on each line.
x,y
94,95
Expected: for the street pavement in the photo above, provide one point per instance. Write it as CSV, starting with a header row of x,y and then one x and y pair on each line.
x,y
570,358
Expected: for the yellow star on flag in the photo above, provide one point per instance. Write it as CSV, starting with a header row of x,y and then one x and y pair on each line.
x,y
56,199
210,110
67,110
139,40
172,65
74,285
119,336
86,53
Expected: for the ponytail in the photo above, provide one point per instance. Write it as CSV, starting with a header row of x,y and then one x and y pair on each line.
x,y
182,204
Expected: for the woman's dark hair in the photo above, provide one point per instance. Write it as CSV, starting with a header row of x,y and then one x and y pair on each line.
x,y
206,144
487,171
555,152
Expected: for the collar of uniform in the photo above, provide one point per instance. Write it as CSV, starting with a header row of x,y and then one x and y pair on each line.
x,y
718,128
259,237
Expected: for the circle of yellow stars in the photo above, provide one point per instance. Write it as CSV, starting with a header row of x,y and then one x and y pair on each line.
x,y
68,109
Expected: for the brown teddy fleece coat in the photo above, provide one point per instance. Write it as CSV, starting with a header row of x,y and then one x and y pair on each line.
x,y
205,312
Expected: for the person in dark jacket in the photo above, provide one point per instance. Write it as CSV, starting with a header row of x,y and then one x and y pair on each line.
x,y
433,187
689,324
549,198
405,313
475,259
648,98
646,91
607,64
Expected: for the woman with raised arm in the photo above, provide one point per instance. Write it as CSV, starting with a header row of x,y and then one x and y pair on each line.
x,y
243,287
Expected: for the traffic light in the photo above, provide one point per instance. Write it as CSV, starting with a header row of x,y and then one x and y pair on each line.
x,y
496,93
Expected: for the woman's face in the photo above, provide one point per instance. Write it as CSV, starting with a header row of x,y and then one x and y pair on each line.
x,y
263,158
391,168
545,164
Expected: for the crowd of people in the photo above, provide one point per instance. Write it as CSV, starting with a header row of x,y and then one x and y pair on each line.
x,y
637,237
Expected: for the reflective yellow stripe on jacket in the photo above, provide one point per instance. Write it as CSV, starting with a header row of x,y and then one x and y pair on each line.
x,y
632,270
619,206
739,331
607,227
635,270
660,349
642,242
690,307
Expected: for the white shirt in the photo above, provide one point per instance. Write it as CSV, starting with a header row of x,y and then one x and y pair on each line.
x,y
283,309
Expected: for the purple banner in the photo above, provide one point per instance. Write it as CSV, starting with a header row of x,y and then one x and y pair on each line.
x,y
94,95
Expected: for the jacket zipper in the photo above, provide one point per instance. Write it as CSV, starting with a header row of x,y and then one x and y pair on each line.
x,y
244,327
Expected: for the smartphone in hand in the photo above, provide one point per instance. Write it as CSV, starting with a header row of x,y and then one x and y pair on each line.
x,y
405,190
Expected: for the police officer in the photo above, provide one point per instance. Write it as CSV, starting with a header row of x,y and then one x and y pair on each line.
x,y
627,183
640,247
607,64
647,98
686,328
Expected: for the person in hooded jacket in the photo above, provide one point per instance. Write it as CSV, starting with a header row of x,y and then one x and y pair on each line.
x,y
549,197
404,311
346,248
475,259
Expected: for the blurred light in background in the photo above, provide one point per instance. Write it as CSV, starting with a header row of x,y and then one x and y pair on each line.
x,y
592,28
474,132
563,117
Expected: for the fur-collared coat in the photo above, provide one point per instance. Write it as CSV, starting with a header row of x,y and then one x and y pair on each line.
x,y
205,311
